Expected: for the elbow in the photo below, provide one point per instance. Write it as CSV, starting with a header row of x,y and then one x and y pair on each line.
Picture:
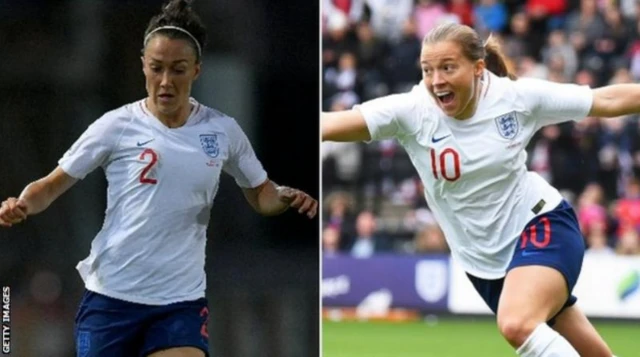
x,y
269,211
604,108
615,101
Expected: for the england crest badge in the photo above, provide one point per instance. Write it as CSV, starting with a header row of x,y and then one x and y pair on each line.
x,y
508,125
210,145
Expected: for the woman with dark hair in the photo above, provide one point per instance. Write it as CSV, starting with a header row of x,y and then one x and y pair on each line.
x,y
162,157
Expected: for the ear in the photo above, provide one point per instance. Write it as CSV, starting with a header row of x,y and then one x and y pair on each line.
x,y
479,67
142,61
197,70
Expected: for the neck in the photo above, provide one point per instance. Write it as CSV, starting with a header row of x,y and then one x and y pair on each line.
x,y
471,107
171,120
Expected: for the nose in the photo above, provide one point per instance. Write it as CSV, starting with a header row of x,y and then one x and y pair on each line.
x,y
166,79
437,79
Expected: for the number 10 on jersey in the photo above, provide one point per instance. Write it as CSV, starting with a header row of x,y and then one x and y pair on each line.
x,y
439,165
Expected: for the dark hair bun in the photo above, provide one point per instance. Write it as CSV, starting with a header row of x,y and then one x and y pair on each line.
x,y
179,13
174,7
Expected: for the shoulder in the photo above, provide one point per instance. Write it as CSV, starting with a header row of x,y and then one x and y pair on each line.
x,y
535,91
540,87
406,110
207,114
119,118
500,95
218,121
524,94
417,100
526,84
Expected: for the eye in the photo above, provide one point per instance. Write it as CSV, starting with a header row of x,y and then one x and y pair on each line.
x,y
449,67
426,70
155,69
179,70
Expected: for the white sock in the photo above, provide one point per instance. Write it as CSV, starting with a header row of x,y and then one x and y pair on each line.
x,y
545,342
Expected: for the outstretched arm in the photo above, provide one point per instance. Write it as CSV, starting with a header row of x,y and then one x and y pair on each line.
x,y
36,197
616,100
347,125
269,199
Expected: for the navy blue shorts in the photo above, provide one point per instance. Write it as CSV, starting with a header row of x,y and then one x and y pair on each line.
x,y
552,239
107,327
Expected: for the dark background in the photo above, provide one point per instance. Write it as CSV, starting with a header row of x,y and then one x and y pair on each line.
x,y
64,63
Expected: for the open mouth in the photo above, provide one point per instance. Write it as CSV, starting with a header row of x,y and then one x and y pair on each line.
x,y
445,97
165,96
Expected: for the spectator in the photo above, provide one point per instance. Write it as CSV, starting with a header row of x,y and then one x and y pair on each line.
x,y
490,16
330,240
550,12
628,9
463,10
518,44
610,45
369,51
558,46
544,15
430,239
367,242
629,243
597,241
621,75
341,163
342,79
336,39
403,69
628,209
584,26
633,52
339,215
528,67
387,17
427,15
591,213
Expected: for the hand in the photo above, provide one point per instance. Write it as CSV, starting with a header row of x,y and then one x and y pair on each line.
x,y
298,199
12,211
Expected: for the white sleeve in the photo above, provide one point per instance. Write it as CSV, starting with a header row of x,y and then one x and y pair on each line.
x,y
391,116
552,103
91,150
243,164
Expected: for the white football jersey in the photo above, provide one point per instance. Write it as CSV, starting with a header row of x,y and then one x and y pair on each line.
x,y
161,187
474,171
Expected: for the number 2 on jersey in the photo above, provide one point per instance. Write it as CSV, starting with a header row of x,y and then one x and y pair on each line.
x,y
145,171
439,163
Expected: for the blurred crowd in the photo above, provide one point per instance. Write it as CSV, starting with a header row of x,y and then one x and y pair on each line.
x,y
373,197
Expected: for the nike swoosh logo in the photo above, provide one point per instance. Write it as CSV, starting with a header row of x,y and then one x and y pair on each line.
x,y
435,140
144,142
526,253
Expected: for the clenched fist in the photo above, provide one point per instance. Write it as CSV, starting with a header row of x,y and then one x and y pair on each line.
x,y
12,211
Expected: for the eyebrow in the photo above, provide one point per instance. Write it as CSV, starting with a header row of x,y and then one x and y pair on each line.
x,y
174,62
442,60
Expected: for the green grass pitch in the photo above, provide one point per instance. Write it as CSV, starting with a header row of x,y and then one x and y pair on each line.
x,y
446,338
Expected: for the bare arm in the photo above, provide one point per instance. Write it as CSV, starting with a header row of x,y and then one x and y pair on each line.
x,y
347,125
616,100
36,197
269,199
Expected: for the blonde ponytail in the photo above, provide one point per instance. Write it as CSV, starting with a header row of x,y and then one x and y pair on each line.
x,y
497,62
